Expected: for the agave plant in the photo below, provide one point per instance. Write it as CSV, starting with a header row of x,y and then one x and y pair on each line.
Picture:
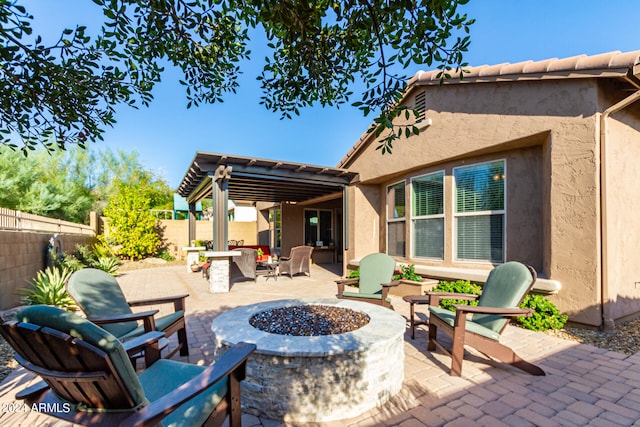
x,y
48,288
108,264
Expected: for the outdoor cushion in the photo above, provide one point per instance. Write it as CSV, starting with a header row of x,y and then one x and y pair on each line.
x,y
161,324
375,269
165,376
78,327
364,295
98,294
505,287
450,317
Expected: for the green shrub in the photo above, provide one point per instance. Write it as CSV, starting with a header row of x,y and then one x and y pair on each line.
x,y
48,288
165,255
459,287
108,264
354,274
72,263
407,272
545,314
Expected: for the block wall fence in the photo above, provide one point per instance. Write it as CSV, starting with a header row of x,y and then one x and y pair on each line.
x,y
23,254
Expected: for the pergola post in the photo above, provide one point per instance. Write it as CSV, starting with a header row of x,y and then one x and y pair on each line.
x,y
192,223
220,198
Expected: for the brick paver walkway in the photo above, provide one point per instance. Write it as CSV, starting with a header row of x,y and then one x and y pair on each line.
x,y
584,385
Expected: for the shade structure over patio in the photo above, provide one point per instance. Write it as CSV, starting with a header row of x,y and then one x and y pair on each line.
x,y
225,176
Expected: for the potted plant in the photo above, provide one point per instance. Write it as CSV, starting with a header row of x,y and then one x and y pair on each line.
x,y
411,283
260,254
407,273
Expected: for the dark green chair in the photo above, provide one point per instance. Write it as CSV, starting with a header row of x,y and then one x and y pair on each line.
x,y
98,294
506,287
88,378
376,274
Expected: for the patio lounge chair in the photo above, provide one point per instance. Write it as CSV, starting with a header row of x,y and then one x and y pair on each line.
x,y
243,266
503,292
98,294
376,273
297,261
89,380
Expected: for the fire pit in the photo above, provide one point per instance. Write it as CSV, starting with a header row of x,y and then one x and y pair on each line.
x,y
317,371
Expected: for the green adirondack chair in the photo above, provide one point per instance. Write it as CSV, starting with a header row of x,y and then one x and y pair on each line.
x,y
506,287
376,274
88,378
98,294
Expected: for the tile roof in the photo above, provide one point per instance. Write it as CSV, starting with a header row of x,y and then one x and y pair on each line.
x,y
610,64
602,65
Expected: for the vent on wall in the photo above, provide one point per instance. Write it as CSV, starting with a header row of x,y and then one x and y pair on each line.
x,y
421,105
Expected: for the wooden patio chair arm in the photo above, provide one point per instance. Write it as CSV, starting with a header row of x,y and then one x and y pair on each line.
x,y
147,317
342,282
435,297
391,284
233,360
498,311
119,318
177,300
148,344
347,281
139,343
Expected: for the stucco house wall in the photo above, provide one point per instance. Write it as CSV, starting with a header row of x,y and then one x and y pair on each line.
x,y
622,232
548,133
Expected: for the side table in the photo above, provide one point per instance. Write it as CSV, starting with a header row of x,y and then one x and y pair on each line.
x,y
413,300
272,269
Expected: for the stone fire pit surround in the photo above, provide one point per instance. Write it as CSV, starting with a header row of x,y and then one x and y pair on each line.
x,y
317,378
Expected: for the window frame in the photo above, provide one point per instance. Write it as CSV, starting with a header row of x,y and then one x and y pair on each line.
x,y
455,215
442,215
274,230
395,220
317,238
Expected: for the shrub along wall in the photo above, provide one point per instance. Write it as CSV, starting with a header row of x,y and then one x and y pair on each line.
x,y
23,254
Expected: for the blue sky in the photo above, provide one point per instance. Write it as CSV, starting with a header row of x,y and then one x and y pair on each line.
x,y
167,135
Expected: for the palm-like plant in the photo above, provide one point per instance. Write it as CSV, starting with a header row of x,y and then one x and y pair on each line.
x,y
48,288
108,264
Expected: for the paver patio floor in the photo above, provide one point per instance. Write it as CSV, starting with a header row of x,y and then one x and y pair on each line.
x,y
584,385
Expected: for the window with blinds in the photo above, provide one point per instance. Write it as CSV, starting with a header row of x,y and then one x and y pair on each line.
x,y
480,211
396,223
427,214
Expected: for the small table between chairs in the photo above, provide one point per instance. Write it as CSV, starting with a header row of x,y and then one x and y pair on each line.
x,y
413,300
272,269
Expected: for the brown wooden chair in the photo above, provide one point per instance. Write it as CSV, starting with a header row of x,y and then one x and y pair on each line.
x,y
374,283
506,287
89,380
297,262
98,294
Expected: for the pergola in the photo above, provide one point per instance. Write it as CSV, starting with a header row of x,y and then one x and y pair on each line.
x,y
224,176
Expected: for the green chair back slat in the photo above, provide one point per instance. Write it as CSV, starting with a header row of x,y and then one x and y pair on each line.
x,y
375,269
98,294
505,287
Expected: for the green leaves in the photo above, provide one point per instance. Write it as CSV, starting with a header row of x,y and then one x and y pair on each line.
x,y
545,314
66,93
132,226
48,288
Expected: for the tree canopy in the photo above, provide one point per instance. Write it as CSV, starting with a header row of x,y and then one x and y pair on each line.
x,y
66,92
68,185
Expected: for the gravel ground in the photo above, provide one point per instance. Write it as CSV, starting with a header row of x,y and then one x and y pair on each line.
x,y
309,320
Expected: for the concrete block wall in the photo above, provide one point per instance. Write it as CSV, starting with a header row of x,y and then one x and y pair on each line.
x,y
175,234
22,255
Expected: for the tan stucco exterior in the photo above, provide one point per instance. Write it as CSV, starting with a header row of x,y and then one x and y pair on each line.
x,y
548,133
